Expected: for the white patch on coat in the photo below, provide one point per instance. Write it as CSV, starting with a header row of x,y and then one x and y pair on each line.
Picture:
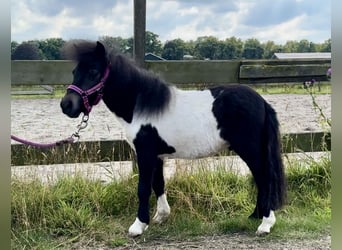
x,y
267,223
187,124
163,210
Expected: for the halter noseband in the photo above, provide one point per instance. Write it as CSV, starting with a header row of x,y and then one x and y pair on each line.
x,y
98,88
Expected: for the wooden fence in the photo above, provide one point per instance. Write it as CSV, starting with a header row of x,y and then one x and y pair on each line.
x,y
188,72
181,73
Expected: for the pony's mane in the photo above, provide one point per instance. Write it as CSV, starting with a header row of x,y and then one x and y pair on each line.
x,y
152,94
79,50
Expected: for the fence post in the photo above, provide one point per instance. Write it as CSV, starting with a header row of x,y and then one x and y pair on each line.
x,y
139,32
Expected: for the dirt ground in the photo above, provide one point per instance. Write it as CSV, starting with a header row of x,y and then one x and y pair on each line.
x,y
42,120
229,241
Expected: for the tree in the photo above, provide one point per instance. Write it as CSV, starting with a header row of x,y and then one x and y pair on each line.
x,y
207,47
252,49
232,48
51,48
270,48
152,43
326,46
174,49
290,47
14,45
303,46
118,43
27,51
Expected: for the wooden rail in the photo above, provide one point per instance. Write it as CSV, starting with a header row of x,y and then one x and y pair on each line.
x,y
98,151
187,72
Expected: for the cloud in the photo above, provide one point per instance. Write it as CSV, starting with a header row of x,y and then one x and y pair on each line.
x,y
279,20
29,25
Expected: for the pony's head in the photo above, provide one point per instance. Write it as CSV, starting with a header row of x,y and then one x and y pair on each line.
x,y
89,76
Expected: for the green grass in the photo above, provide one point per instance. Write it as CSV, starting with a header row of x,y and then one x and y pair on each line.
x,y
283,88
78,211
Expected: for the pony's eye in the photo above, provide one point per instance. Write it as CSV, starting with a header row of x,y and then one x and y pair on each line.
x,y
93,73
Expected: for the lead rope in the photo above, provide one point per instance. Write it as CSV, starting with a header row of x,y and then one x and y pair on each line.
x,y
75,137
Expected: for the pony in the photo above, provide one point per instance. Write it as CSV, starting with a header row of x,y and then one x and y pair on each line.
x,y
161,120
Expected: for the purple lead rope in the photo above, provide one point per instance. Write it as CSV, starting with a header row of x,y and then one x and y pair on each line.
x,y
73,138
43,145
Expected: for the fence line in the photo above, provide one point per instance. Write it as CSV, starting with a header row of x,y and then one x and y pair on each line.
x,y
186,72
119,150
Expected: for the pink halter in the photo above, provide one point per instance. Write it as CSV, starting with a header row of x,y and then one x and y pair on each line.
x,y
97,88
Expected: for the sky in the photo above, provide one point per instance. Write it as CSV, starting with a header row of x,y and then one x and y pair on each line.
x,y
265,20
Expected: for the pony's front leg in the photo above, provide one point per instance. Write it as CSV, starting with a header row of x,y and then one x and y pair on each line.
x,y
148,145
144,191
147,159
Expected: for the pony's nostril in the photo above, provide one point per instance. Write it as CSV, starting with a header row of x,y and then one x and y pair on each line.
x,y
65,104
70,106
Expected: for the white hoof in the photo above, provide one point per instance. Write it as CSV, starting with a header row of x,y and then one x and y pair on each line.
x,y
163,210
267,223
137,228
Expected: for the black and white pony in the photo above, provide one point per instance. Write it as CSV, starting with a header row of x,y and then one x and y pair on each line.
x,y
161,121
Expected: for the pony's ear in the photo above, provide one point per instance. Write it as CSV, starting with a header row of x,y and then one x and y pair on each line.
x,y
100,49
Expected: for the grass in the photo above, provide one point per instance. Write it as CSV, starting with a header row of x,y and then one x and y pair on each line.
x,y
284,88
77,211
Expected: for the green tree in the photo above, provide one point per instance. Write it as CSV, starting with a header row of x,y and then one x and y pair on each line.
x,y
291,47
152,43
326,46
207,47
232,48
252,49
14,45
27,51
304,46
51,48
189,47
270,48
174,49
118,43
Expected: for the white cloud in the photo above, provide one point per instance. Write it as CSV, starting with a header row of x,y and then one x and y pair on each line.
x,y
121,25
37,26
290,30
264,20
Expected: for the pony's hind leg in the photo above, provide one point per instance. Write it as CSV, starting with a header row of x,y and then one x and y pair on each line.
x,y
158,185
263,209
266,224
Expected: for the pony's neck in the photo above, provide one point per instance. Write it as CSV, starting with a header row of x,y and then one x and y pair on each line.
x,y
130,90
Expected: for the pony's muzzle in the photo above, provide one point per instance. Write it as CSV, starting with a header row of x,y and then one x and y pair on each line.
x,y
70,105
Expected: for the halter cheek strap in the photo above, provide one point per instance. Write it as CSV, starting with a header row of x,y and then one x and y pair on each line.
x,y
98,88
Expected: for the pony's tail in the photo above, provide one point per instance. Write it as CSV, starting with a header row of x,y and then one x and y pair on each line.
x,y
274,164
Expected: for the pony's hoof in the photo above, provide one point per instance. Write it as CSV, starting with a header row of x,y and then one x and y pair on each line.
x,y
266,225
137,228
262,231
163,210
160,217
